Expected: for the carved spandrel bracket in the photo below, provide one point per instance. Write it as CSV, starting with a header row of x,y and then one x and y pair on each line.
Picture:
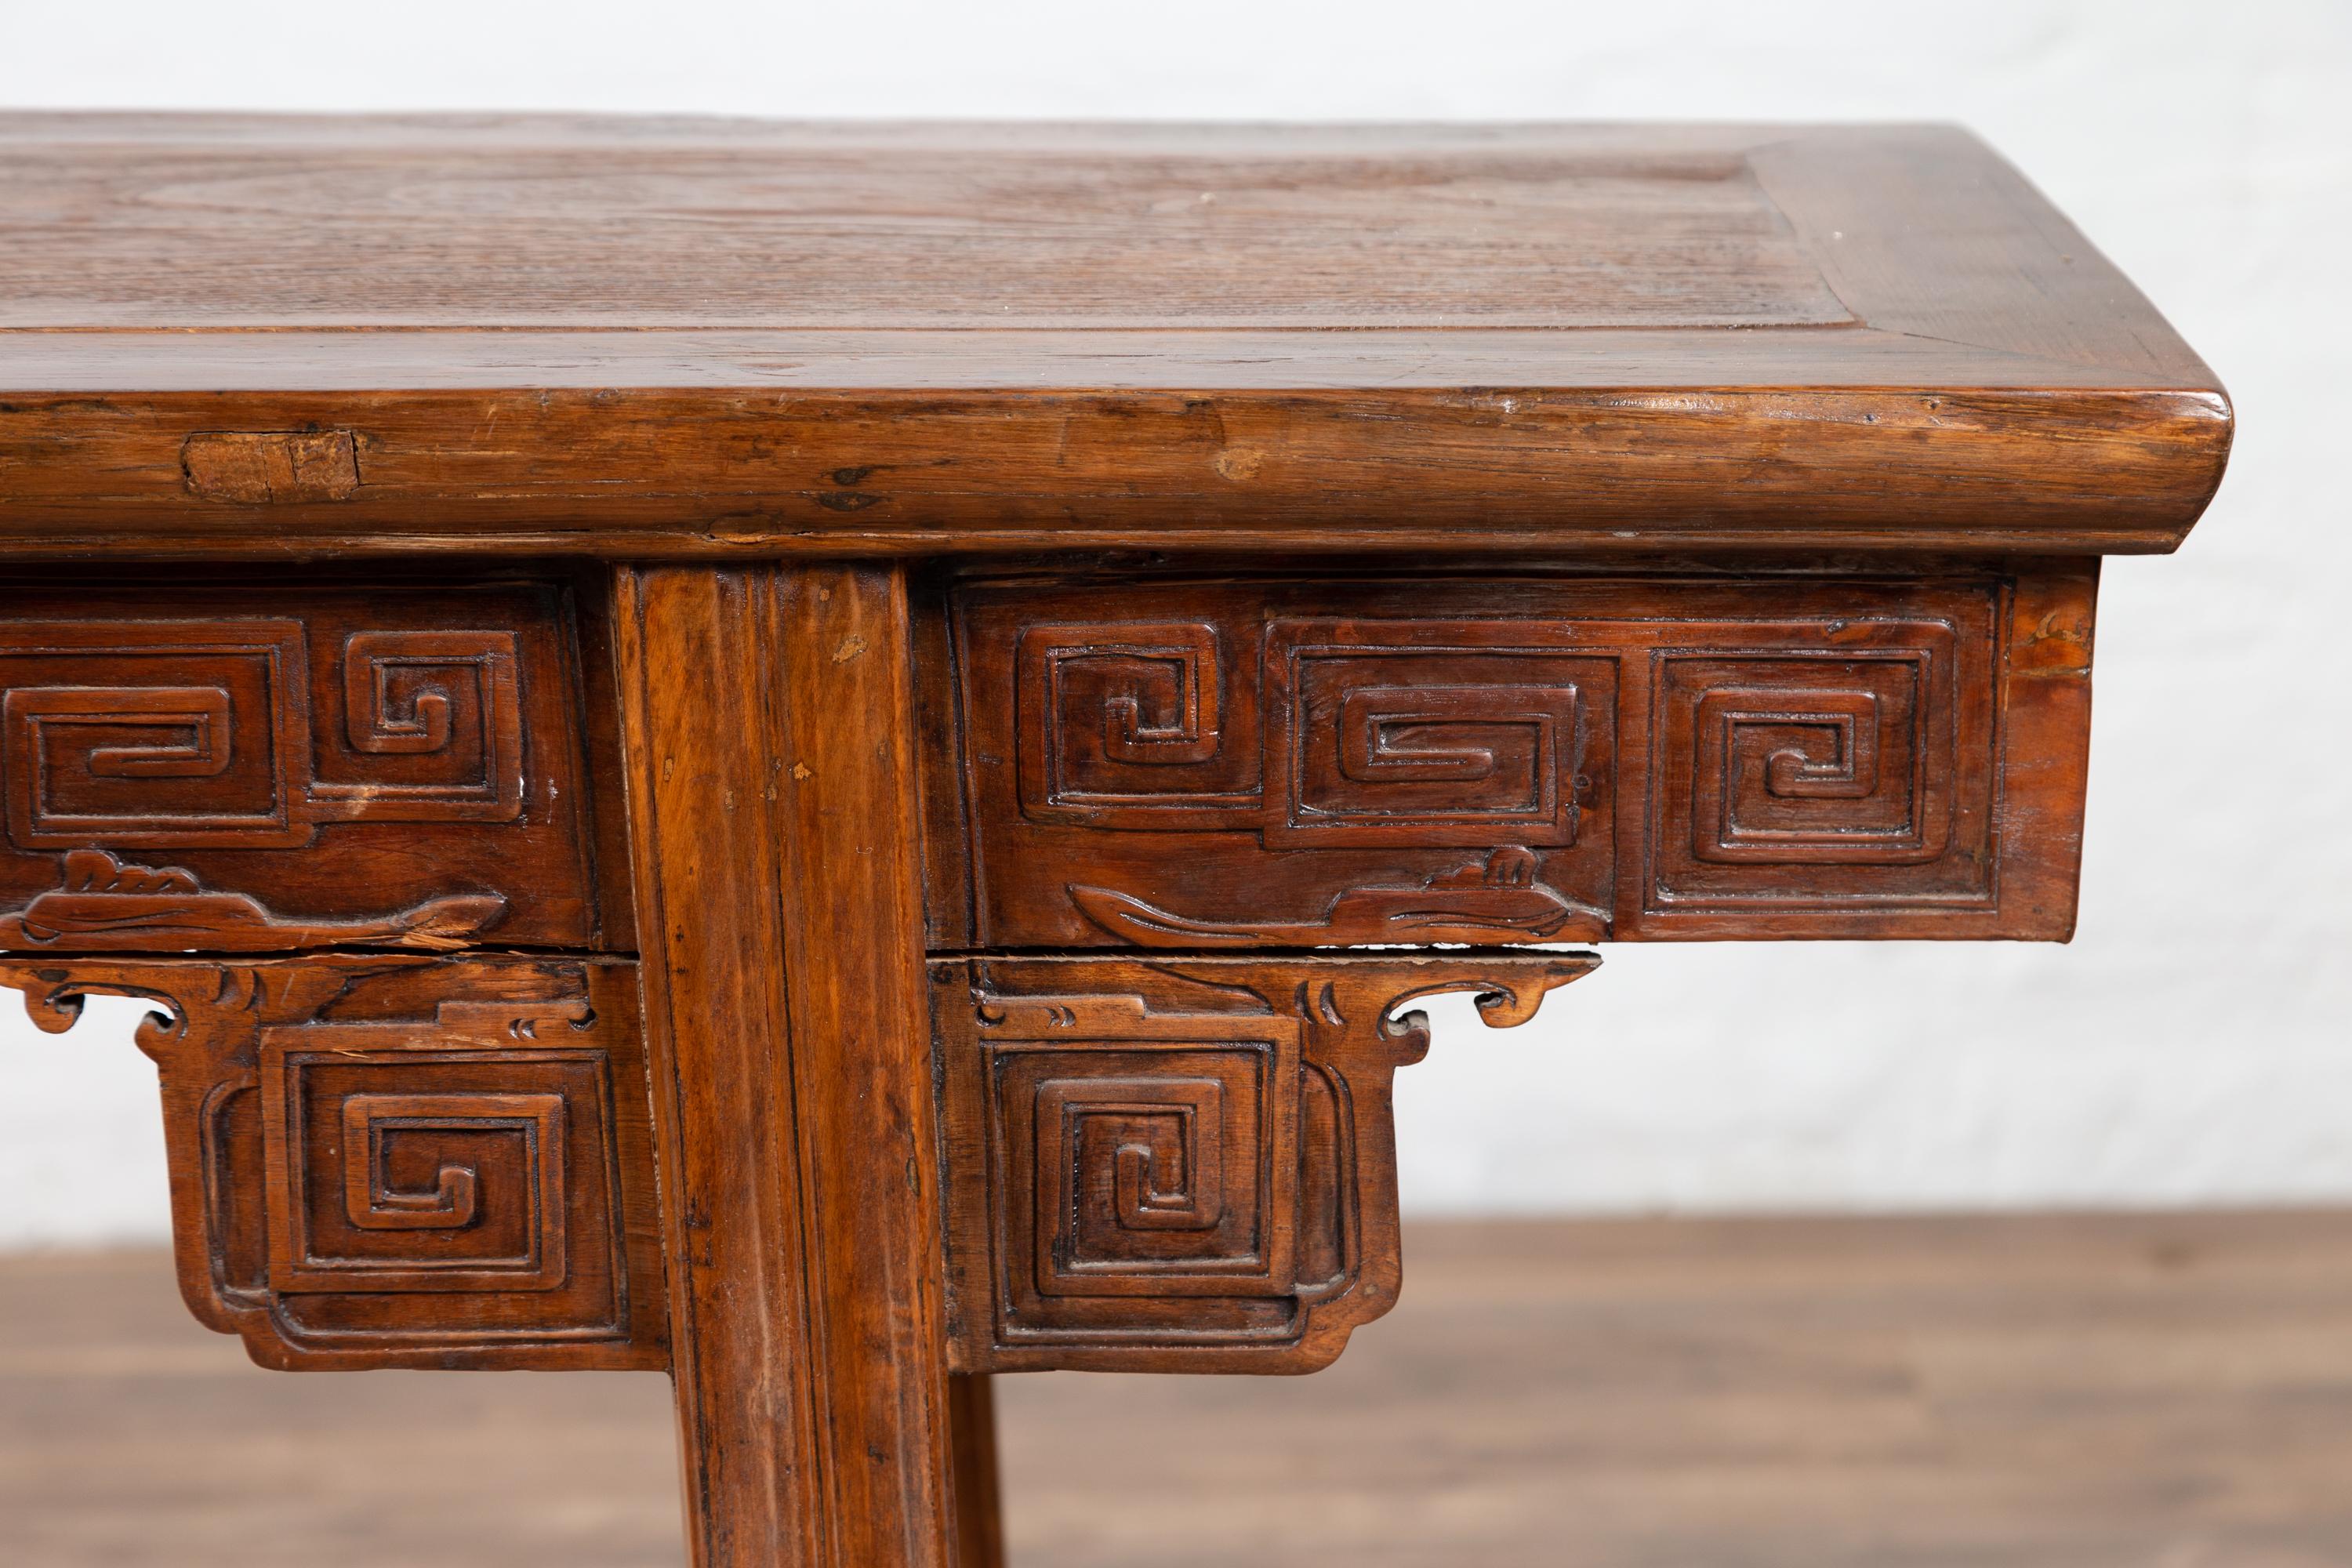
x,y
398,1159
1185,1163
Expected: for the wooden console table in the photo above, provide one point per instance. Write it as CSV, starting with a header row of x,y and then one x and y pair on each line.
x,y
753,750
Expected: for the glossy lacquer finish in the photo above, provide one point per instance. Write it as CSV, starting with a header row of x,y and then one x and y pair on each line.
x,y
759,750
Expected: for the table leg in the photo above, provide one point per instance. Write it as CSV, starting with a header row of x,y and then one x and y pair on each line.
x,y
773,819
980,1528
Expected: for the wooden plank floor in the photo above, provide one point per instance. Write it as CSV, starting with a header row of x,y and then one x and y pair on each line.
x,y
2076,1392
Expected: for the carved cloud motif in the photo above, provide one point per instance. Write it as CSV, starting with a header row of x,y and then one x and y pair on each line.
x,y
105,904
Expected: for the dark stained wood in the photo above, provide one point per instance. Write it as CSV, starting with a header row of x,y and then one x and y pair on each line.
x,y
400,1160
908,338
767,715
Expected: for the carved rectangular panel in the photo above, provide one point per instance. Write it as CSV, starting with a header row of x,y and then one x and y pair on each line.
x,y
1854,772
456,1134
402,1161
1417,732
166,734
401,1165
1282,762
1185,1164
1161,1152
297,766
1136,723
432,722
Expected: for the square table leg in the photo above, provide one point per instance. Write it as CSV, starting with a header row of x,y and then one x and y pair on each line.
x,y
767,715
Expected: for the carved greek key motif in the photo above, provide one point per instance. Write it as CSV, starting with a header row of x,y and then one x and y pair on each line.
x,y
1312,734
452,1202
1159,1148
195,719
196,734
1189,1156
1403,733
1772,759
337,755
392,1160
1845,764
1632,756
1132,1174
447,705
362,1165
1132,722
1166,1144
170,733
1487,757
1431,732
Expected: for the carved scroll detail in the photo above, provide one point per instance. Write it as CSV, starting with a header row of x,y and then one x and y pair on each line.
x,y
370,1200
104,904
469,1147
436,1181
1184,1164
1388,733
1798,773
1828,755
1498,900
180,733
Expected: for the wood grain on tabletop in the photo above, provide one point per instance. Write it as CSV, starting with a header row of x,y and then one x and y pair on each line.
x,y
704,337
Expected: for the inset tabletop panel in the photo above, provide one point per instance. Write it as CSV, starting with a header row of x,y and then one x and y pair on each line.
x,y
817,230
688,337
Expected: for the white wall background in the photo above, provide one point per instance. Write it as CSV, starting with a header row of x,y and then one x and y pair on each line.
x,y
2194,1044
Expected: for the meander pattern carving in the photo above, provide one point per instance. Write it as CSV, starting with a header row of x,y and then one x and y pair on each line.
x,y
399,1161
292,768
1182,1157
196,734
1618,760
1192,1155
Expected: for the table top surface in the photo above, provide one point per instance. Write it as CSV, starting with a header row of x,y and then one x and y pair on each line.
x,y
1335,284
